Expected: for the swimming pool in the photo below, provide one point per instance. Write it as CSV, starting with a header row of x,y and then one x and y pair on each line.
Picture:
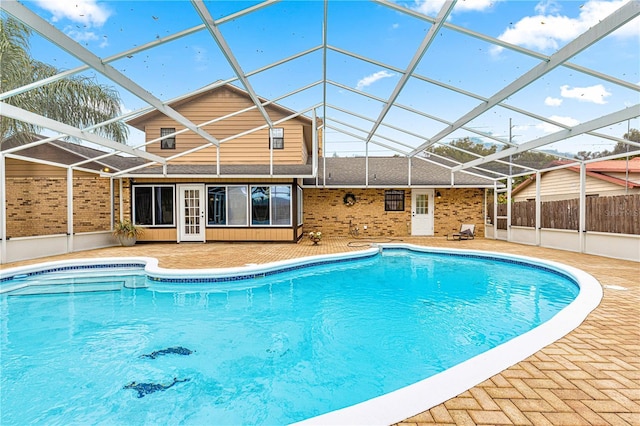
x,y
258,340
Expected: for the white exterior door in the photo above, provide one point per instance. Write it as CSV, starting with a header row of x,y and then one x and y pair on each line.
x,y
191,213
422,212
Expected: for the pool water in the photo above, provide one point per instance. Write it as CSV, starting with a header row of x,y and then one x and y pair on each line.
x,y
272,350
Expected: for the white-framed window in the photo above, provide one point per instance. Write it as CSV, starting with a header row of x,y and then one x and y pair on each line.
x,y
168,142
277,138
271,205
154,205
227,205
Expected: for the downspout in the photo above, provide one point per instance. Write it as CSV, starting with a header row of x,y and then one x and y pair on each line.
x,y
69,210
538,210
3,212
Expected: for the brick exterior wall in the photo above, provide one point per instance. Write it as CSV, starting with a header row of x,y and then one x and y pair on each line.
x,y
457,206
91,205
38,205
325,211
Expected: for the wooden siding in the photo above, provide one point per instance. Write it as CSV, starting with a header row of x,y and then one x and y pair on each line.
x,y
159,234
249,234
633,177
252,148
563,184
223,234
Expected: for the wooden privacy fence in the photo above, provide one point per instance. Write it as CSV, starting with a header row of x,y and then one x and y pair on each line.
x,y
618,214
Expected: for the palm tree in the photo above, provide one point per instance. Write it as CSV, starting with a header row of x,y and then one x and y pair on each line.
x,y
78,101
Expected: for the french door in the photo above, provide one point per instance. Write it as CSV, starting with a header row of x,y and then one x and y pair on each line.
x,y
191,213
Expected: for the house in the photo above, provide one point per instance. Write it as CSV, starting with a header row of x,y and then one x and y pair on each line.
x,y
243,183
603,178
245,191
244,188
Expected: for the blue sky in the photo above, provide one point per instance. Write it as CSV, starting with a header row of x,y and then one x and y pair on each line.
x,y
381,34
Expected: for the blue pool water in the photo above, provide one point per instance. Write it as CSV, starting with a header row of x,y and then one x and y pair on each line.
x,y
271,350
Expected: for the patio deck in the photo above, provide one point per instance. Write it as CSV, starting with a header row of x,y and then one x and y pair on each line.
x,y
589,377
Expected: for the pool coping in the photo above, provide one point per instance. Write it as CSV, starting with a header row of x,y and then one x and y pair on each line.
x,y
418,397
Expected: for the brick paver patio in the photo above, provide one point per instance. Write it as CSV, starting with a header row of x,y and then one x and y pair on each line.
x,y
589,377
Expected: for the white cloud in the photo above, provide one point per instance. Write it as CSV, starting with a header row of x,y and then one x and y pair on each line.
x,y
395,26
550,128
594,11
370,79
477,5
81,36
432,7
548,30
124,109
595,94
549,101
87,12
547,6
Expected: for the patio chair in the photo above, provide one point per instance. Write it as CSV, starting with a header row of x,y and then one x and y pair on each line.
x,y
467,232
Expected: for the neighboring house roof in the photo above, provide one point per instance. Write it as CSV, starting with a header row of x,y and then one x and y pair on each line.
x,y
611,166
68,153
597,170
390,172
138,122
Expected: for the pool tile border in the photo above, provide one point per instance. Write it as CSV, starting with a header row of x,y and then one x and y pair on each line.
x,y
70,268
